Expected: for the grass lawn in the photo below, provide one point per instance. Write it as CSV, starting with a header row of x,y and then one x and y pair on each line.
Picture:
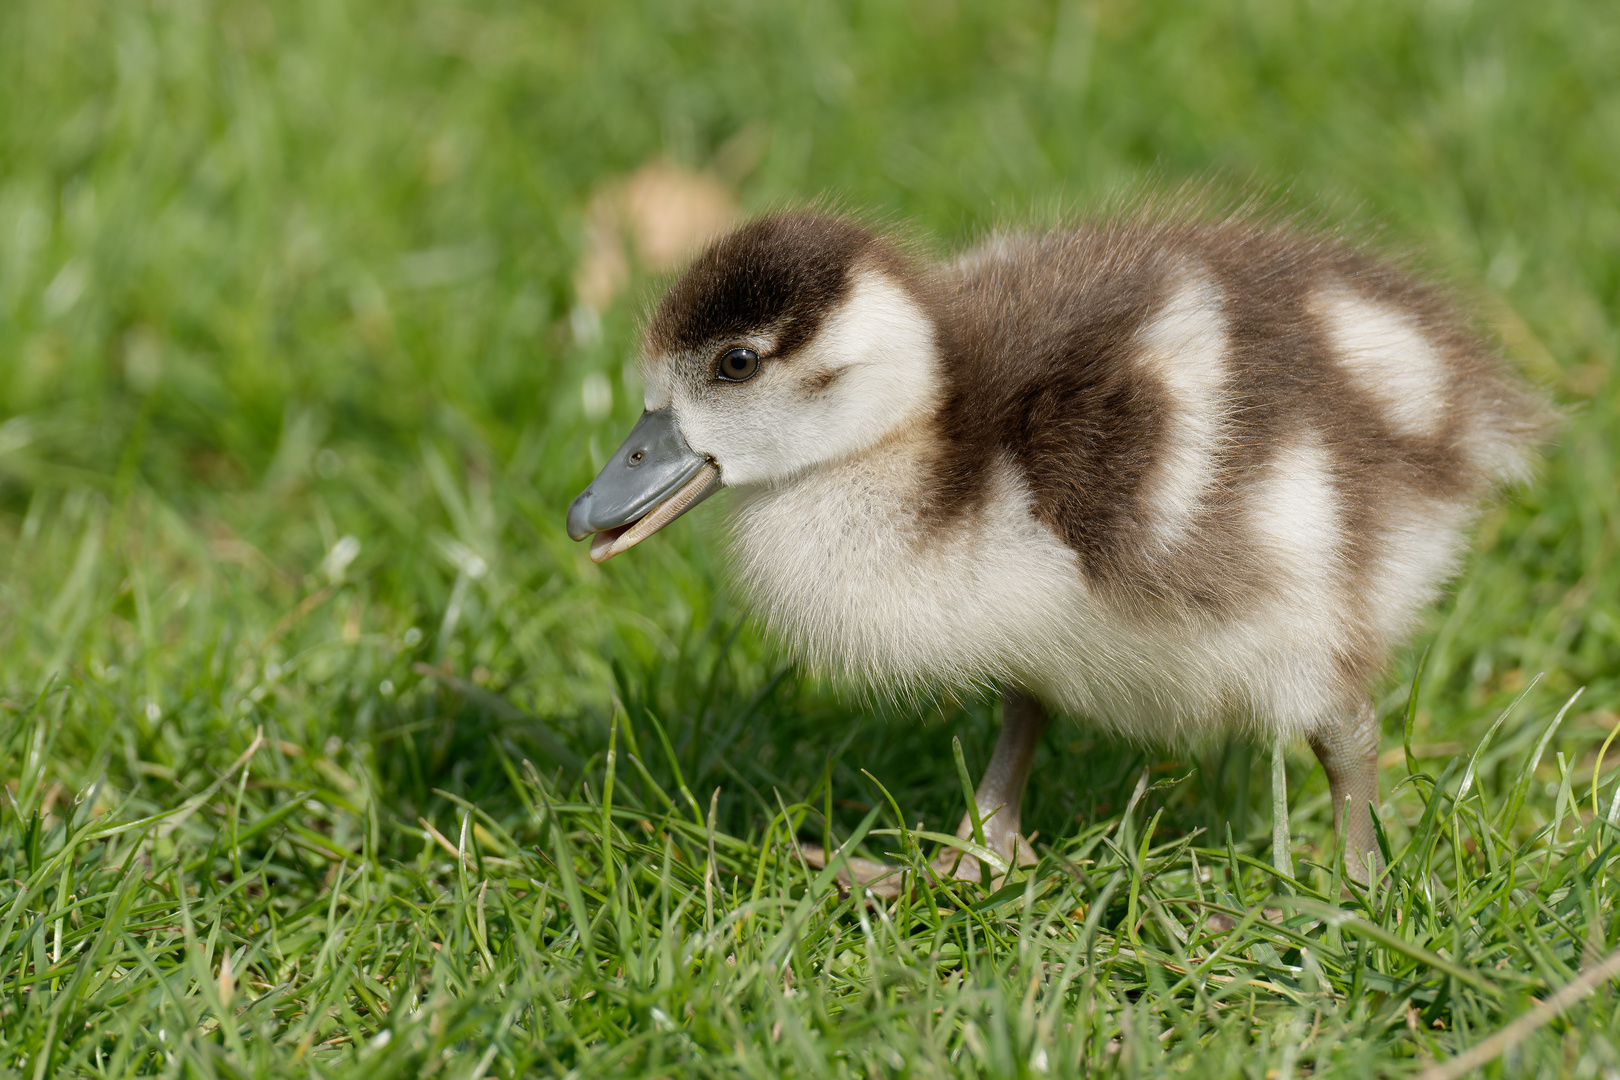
x,y
326,752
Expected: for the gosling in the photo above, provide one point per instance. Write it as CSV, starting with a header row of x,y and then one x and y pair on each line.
x,y
1176,478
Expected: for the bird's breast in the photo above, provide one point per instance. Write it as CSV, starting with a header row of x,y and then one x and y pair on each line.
x,y
845,570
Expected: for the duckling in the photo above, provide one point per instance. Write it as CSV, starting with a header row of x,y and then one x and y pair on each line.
x,y
1172,477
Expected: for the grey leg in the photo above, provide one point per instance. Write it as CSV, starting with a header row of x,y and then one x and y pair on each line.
x,y
1349,754
1000,799
1000,796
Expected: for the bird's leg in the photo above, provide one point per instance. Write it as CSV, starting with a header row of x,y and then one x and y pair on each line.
x,y
1348,752
1000,797
1000,801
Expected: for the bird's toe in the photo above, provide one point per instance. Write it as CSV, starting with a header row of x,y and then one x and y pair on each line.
x,y
879,878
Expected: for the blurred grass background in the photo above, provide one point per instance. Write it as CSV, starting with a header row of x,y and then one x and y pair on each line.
x,y
295,385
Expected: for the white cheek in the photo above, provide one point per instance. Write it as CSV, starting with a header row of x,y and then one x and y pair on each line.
x,y
880,344
740,427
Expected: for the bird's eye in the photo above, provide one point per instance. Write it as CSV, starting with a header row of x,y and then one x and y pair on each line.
x,y
737,365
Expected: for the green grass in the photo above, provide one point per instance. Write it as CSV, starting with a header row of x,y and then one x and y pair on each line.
x,y
290,412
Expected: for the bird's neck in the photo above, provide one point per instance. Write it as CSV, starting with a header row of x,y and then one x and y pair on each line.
x,y
882,486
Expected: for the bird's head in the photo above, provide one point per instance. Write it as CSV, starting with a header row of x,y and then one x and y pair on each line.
x,y
796,341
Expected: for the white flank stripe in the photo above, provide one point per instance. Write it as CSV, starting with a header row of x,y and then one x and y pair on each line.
x,y
1388,359
1185,347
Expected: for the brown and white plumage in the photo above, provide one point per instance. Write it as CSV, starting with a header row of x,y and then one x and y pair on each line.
x,y
1169,477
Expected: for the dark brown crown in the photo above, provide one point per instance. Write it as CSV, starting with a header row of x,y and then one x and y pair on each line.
x,y
780,274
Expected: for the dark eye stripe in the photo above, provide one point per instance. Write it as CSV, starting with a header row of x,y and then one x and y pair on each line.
x,y
737,365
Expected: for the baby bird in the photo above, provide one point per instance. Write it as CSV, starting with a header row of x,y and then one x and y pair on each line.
x,y
1169,477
